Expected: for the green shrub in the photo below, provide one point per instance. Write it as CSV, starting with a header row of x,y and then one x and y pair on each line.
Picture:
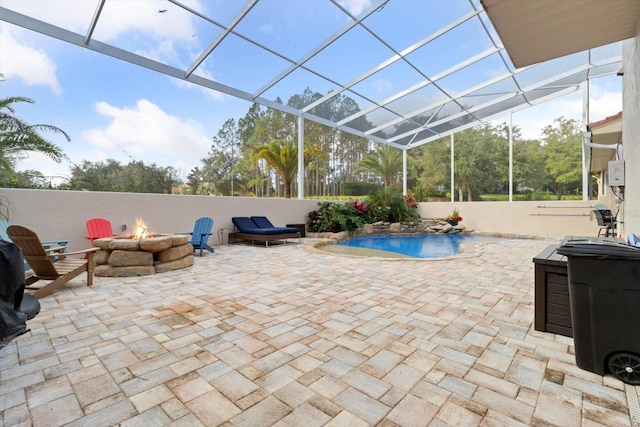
x,y
335,217
383,205
389,205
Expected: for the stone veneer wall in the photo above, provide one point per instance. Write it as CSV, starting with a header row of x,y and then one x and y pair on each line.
x,y
424,226
124,257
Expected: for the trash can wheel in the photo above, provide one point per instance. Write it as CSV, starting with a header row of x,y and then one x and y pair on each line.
x,y
626,367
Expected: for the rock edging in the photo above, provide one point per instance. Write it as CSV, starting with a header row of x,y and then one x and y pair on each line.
x,y
423,226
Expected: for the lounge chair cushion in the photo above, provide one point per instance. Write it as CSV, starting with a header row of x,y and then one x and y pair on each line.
x,y
243,223
246,225
264,223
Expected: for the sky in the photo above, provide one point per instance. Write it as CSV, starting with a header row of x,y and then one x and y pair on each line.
x,y
115,110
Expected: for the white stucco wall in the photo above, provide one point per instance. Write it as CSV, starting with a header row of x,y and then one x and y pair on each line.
x,y
63,214
631,132
539,218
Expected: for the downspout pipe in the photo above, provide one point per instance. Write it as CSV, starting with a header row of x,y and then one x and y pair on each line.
x,y
586,140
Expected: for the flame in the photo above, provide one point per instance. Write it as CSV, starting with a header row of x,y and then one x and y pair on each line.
x,y
141,231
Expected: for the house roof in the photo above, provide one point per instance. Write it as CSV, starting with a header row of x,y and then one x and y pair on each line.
x,y
607,132
540,30
416,70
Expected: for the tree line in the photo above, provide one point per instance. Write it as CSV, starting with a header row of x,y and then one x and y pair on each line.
x,y
257,155
549,164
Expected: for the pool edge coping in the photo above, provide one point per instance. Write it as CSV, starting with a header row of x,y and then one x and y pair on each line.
x,y
468,249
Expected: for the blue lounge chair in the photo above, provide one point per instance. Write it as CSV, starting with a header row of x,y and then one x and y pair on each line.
x,y
200,234
633,240
260,229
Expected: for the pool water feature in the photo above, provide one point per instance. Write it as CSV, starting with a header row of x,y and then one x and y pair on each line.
x,y
435,245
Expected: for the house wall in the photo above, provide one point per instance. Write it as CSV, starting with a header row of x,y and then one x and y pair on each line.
x,y
631,132
63,214
607,197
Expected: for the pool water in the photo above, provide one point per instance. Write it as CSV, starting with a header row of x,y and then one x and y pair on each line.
x,y
417,246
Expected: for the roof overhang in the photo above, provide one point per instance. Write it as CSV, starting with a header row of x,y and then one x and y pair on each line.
x,y
536,31
606,132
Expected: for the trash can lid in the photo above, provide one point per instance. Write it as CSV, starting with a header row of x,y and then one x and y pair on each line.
x,y
609,247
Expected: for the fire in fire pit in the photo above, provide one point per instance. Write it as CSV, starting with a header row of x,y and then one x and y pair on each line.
x,y
142,253
140,231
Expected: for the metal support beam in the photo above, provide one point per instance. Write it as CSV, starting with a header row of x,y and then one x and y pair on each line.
x,y
404,171
511,156
94,21
300,157
453,192
245,10
586,151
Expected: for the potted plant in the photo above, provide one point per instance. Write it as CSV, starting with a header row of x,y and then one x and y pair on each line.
x,y
454,218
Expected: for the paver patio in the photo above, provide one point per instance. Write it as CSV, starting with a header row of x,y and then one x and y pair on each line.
x,y
254,336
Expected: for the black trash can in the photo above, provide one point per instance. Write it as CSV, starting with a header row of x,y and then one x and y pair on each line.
x,y
604,295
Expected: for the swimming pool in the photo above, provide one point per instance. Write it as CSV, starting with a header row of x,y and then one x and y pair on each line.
x,y
417,246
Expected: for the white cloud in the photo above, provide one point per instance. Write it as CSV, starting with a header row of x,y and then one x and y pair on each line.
x,y
137,26
355,7
73,15
116,18
119,17
604,103
148,133
530,123
267,28
382,86
54,172
162,52
210,93
32,66
605,100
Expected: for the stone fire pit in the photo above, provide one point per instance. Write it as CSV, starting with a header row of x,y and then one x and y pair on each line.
x,y
124,256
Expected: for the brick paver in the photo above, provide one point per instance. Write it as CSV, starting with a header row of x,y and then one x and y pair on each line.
x,y
288,336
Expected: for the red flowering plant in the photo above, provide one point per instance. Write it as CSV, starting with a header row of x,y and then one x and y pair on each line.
x,y
359,205
411,202
454,218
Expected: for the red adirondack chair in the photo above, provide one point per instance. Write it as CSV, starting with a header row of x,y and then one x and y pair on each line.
x,y
98,228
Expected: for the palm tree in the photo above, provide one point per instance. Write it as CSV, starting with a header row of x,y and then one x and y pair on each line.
x,y
282,156
385,163
17,136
